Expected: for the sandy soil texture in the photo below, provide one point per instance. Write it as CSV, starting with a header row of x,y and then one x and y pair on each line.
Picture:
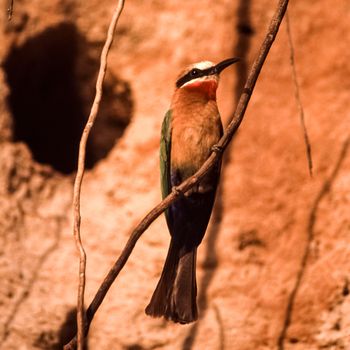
x,y
273,269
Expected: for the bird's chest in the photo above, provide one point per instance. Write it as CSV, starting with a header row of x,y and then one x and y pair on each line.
x,y
193,135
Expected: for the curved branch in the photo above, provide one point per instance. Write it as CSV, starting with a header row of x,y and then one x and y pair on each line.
x,y
298,97
198,176
80,173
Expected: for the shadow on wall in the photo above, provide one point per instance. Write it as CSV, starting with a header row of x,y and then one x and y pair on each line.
x,y
68,331
53,340
51,78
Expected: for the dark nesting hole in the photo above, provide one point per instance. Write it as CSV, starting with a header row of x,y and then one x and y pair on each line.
x,y
52,80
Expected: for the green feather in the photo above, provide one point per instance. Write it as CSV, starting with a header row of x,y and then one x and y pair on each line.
x,y
165,148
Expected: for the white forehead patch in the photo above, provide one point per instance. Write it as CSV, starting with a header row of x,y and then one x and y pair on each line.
x,y
203,65
186,78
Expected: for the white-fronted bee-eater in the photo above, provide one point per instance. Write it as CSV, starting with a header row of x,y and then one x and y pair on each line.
x,y
190,129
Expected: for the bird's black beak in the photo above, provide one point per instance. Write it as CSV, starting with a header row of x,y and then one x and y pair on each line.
x,y
224,64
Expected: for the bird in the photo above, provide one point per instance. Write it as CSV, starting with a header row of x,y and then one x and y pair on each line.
x,y
191,128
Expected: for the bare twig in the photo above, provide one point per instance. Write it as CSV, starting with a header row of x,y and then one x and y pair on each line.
x,y
80,174
298,98
325,189
9,9
198,176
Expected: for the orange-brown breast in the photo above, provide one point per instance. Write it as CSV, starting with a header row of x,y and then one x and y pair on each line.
x,y
196,127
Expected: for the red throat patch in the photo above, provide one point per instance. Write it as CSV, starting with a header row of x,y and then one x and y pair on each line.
x,y
206,87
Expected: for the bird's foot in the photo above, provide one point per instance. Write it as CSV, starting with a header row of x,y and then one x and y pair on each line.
x,y
217,149
176,191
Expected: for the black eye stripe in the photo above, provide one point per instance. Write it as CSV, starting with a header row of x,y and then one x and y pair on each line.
x,y
194,74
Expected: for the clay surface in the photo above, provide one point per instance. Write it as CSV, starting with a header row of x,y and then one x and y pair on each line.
x,y
273,269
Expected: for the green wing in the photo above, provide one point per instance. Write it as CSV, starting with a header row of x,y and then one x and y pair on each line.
x,y
165,147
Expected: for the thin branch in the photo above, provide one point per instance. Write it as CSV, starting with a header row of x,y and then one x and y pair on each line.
x,y
9,9
198,176
325,189
298,98
80,174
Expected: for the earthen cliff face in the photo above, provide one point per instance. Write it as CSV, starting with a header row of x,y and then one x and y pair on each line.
x,y
273,269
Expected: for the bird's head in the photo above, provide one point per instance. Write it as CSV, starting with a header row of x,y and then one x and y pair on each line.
x,y
203,76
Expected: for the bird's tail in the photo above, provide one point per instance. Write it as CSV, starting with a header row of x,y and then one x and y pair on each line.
x,y
175,295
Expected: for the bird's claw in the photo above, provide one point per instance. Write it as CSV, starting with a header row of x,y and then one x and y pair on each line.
x,y
176,191
217,149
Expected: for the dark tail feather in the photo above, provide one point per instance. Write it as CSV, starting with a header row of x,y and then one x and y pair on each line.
x,y
175,295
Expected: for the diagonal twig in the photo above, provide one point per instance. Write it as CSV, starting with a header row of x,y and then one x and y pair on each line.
x,y
325,190
297,96
198,176
80,174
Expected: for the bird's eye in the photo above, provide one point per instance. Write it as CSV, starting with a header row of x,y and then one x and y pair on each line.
x,y
194,72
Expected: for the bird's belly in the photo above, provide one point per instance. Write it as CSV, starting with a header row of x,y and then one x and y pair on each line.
x,y
191,147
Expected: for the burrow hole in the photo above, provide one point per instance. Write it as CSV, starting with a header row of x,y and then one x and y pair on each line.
x,y
52,85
